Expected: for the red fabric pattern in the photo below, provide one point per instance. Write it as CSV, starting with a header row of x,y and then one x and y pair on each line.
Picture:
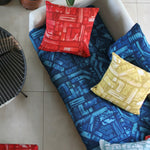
x,y
18,147
147,137
68,29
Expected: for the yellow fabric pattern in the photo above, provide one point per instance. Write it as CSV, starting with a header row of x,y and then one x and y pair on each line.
x,y
124,84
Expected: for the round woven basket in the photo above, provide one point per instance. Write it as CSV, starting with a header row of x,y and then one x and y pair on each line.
x,y
31,4
12,67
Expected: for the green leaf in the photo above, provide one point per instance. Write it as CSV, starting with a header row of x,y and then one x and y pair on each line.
x,y
70,2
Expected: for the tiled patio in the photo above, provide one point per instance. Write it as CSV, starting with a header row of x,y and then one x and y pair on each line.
x,y
42,118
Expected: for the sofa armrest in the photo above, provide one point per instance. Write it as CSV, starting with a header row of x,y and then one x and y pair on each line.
x,y
115,17
37,17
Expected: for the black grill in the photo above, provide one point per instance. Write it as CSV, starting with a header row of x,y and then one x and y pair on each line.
x,y
12,67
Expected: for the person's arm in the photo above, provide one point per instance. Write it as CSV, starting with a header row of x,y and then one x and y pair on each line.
x,y
115,17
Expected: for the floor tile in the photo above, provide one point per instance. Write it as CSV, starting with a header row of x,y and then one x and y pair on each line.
x,y
48,85
143,1
14,18
59,130
35,72
21,121
143,19
129,1
42,118
132,10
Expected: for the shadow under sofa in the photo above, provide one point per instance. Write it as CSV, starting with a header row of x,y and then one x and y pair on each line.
x,y
73,77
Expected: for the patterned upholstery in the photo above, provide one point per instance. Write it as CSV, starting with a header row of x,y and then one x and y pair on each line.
x,y
18,147
73,76
124,85
68,29
142,145
133,47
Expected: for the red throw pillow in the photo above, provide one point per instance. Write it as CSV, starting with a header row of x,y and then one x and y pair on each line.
x,y
18,147
68,29
147,137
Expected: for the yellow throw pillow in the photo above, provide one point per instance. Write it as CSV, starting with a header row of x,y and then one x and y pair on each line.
x,y
124,84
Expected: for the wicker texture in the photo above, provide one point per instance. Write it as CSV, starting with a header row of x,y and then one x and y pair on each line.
x,y
12,67
4,2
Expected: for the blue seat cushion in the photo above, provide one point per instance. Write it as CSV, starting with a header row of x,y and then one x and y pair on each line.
x,y
133,47
73,76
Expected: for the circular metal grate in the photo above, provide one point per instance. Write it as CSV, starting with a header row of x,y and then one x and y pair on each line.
x,y
12,67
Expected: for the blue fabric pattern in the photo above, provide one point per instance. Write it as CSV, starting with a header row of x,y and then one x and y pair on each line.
x,y
73,76
142,145
133,47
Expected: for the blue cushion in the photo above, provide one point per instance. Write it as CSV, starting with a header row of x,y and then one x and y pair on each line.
x,y
73,76
133,47
142,145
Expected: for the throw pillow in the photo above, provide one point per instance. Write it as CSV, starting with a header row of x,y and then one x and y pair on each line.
x,y
133,47
147,137
68,29
18,147
142,145
124,84
37,17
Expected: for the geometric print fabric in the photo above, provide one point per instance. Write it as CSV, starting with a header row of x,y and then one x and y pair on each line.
x,y
133,47
142,145
73,76
124,84
18,147
68,29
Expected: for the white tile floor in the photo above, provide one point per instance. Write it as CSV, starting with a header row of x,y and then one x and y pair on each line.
x,y
42,118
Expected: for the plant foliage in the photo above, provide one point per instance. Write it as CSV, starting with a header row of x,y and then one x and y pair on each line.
x,y
70,2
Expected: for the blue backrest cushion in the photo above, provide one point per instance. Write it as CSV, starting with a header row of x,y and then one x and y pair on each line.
x,y
133,47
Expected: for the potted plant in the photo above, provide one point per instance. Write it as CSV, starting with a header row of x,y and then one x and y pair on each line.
x,y
31,4
70,2
77,3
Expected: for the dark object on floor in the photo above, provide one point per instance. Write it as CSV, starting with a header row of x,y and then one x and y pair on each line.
x,y
3,2
31,4
12,67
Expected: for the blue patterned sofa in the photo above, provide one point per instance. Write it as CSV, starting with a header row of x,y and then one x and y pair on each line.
x,y
73,77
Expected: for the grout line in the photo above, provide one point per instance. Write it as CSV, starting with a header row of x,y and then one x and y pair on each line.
x,y
43,112
143,2
137,12
51,91
43,124
129,2
40,91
